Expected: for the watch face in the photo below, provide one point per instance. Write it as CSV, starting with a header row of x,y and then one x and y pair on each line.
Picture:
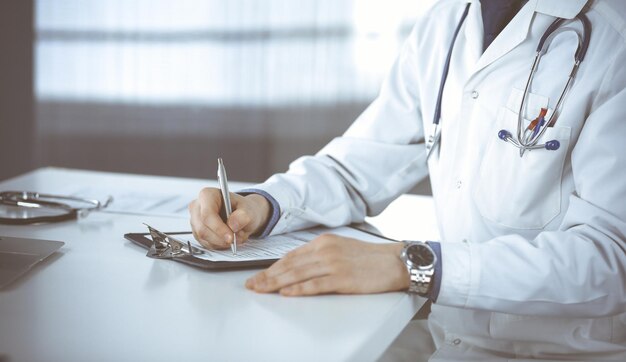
x,y
420,255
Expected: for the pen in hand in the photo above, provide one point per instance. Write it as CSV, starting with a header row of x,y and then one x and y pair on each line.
x,y
223,183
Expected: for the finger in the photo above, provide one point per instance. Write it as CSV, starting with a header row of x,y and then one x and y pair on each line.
x,y
242,237
210,200
306,255
303,255
266,284
321,248
239,220
205,236
299,258
315,286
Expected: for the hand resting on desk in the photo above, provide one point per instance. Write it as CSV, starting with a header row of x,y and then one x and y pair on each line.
x,y
335,264
250,214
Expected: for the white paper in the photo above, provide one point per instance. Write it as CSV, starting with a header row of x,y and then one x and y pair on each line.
x,y
274,247
135,201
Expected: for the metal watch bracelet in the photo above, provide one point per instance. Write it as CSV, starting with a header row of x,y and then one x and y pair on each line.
x,y
421,281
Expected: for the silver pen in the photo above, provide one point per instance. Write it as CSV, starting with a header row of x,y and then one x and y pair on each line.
x,y
223,182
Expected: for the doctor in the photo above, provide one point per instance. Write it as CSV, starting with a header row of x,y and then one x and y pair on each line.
x,y
532,258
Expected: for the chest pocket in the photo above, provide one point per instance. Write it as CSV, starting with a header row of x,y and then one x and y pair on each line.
x,y
521,192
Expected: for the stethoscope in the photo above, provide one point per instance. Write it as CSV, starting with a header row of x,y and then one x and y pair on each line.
x,y
54,208
526,139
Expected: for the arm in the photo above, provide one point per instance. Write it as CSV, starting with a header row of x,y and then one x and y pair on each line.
x,y
379,157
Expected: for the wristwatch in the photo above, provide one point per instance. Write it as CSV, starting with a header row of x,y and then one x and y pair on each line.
x,y
420,261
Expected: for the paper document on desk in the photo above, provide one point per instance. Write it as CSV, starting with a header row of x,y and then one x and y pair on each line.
x,y
275,247
132,201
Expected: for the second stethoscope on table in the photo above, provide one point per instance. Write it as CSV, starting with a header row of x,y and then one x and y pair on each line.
x,y
27,208
528,138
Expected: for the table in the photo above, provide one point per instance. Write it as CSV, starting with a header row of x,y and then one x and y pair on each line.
x,y
101,298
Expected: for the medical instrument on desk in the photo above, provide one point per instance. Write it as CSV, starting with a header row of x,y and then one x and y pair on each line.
x,y
524,140
25,208
228,209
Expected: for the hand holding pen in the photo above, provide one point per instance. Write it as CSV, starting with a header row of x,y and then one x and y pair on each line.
x,y
213,230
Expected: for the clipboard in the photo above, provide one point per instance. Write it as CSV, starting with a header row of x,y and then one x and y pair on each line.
x,y
162,245
264,253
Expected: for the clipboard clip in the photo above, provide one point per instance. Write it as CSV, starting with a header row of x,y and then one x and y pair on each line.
x,y
168,247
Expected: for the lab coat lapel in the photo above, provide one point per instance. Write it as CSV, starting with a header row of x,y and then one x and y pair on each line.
x,y
566,9
518,29
473,33
511,36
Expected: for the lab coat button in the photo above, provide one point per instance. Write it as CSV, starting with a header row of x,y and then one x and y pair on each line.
x,y
456,342
458,184
474,94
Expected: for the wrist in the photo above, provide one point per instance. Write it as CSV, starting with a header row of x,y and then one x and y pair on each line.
x,y
401,280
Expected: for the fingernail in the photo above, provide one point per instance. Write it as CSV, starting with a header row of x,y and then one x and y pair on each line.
x,y
250,283
228,237
234,226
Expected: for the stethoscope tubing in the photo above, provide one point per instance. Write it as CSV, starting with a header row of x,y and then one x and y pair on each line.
x,y
530,143
434,138
581,51
36,200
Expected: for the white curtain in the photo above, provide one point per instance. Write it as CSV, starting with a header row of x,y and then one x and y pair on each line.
x,y
267,71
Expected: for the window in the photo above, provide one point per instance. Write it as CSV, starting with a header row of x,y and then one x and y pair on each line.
x,y
217,51
140,85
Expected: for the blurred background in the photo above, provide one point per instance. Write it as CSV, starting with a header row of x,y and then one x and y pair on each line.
x,y
165,87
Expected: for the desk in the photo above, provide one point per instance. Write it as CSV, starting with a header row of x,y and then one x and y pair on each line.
x,y
101,298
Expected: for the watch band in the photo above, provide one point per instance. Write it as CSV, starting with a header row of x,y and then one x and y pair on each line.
x,y
421,281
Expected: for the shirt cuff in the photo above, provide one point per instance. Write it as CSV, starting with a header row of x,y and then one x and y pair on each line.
x,y
434,290
275,211
463,272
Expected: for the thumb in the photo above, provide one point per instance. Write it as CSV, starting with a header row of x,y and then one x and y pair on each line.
x,y
239,220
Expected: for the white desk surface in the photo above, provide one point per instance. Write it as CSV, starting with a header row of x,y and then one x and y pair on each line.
x,y
101,298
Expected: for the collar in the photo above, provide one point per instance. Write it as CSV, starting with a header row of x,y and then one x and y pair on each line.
x,y
518,29
567,9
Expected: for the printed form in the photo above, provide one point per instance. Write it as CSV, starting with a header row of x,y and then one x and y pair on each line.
x,y
276,246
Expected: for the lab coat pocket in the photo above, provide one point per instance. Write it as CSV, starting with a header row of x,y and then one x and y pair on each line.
x,y
549,335
520,192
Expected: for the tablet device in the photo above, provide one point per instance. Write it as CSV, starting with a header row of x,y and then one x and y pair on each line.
x,y
18,255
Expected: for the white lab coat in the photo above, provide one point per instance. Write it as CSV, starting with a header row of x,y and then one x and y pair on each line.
x,y
533,248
